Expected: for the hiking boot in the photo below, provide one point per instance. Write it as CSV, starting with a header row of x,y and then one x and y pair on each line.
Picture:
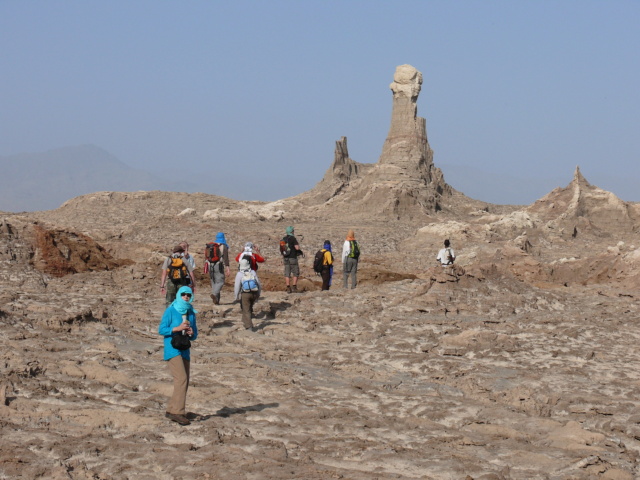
x,y
215,299
181,419
288,289
294,288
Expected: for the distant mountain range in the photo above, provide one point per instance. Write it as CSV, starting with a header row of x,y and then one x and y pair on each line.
x,y
43,181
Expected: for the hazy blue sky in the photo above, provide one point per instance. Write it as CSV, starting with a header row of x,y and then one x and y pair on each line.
x,y
249,97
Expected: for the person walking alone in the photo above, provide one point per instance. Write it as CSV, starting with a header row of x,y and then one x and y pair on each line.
x,y
446,256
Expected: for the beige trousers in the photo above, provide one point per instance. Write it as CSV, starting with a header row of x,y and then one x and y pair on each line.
x,y
179,368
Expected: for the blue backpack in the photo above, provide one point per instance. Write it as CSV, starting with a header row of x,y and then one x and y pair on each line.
x,y
249,282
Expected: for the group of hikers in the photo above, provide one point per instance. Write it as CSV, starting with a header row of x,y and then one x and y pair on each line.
x,y
178,324
179,267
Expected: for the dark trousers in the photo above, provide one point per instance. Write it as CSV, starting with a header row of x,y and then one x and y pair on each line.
x,y
247,299
326,278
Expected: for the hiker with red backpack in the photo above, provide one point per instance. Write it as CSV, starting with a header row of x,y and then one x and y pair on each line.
x,y
350,256
216,264
176,273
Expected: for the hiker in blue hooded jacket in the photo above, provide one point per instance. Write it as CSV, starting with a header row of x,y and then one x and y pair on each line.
x,y
327,265
179,318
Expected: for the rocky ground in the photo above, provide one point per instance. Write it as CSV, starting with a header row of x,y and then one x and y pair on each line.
x,y
520,363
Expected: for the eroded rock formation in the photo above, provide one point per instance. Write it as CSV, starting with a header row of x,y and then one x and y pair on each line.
x,y
30,254
404,182
343,168
406,152
339,175
581,206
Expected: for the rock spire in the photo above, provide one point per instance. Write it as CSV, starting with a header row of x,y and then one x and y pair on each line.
x,y
404,182
406,146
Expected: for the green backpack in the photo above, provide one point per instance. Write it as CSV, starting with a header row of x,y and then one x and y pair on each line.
x,y
355,249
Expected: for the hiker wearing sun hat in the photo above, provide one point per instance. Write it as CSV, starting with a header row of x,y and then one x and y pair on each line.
x,y
217,264
350,256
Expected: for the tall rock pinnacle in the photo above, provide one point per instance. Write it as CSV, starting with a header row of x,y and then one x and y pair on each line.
x,y
404,182
406,147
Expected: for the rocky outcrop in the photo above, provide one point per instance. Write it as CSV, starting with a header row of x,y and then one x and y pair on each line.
x,y
343,168
30,254
340,174
404,183
580,207
16,256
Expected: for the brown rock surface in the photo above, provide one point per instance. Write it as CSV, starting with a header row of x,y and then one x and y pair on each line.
x,y
519,363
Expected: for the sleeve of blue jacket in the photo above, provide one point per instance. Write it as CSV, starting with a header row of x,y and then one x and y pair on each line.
x,y
171,319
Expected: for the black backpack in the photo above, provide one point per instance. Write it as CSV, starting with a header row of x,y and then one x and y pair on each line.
x,y
318,260
449,256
